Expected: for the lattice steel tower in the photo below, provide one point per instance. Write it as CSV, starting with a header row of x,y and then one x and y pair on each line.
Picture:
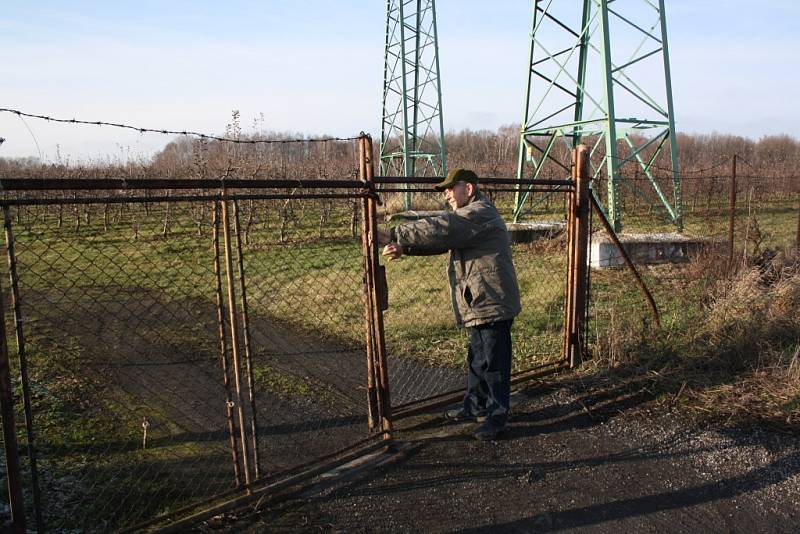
x,y
591,79
412,130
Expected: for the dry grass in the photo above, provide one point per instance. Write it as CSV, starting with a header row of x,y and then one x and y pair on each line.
x,y
756,308
752,336
737,357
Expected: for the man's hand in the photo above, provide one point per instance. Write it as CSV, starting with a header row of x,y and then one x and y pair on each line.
x,y
392,251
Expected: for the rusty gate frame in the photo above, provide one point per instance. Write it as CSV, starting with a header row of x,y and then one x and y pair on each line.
x,y
577,273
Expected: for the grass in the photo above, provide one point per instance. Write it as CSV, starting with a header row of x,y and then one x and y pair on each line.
x,y
286,385
420,322
93,464
80,289
774,221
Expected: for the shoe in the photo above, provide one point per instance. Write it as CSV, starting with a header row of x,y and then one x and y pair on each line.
x,y
488,432
462,415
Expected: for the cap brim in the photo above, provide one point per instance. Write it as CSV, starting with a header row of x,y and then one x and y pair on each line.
x,y
441,186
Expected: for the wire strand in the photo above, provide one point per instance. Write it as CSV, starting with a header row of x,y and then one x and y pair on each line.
x,y
175,132
30,131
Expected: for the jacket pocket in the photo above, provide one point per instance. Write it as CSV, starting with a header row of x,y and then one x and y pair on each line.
x,y
486,290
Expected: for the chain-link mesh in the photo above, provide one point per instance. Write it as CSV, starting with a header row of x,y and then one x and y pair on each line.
x,y
682,270
118,302
304,270
122,335
119,325
426,351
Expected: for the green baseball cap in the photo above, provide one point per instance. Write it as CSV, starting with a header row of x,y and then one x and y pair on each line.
x,y
457,175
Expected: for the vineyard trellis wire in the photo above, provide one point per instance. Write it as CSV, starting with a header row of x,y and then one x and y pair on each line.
x,y
181,349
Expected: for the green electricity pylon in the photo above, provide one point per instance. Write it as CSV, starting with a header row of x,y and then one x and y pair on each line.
x,y
412,129
599,73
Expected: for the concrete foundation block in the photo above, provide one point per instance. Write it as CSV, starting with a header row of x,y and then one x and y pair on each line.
x,y
650,249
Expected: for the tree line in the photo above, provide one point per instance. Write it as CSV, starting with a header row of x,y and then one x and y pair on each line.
x,y
489,153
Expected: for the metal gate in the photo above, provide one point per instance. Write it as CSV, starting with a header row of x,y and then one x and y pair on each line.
x,y
424,353
178,347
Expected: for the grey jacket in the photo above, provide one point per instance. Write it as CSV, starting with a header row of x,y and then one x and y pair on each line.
x,y
483,282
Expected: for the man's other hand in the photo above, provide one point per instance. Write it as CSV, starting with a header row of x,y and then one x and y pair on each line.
x,y
392,251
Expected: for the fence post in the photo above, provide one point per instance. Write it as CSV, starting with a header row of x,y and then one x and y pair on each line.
x,y
23,368
579,242
248,358
381,297
569,310
234,322
372,394
13,476
731,212
223,347
584,211
376,285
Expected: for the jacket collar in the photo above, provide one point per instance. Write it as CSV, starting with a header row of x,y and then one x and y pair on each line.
x,y
474,198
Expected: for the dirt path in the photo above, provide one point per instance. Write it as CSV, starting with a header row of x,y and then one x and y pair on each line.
x,y
574,460
159,359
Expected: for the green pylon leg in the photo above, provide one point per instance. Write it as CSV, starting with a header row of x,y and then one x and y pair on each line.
x,y
412,129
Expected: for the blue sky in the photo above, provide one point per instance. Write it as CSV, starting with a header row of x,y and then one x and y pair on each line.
x,y
316,67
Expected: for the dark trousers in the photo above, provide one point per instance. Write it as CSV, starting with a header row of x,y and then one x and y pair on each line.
x,y
489,378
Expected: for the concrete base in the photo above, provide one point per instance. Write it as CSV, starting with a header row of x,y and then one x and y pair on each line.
x,y
531,231
648,249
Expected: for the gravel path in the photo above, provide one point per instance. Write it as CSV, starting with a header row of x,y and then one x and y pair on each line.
x,y
573,460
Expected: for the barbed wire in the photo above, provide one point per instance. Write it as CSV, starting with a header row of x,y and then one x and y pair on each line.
x,y
165,131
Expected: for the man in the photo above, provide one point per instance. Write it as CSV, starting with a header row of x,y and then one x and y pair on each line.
x,y
483,286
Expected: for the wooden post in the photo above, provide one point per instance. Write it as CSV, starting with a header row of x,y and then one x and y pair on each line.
x,y
582,212
578,211
578,255
569,300
235,340
223,347
251,388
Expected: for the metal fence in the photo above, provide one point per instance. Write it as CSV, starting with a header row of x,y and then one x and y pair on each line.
x,y
169,361
174,352
733,221
176,345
